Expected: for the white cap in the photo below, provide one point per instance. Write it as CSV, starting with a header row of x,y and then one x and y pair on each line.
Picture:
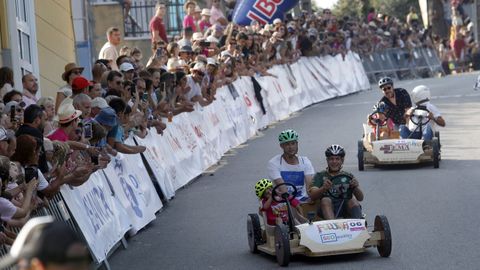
x,y
99,102
211,61
198,36
277,20
126,67
212,39
199,66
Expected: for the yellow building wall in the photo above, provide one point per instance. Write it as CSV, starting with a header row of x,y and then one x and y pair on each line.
x,y
55,42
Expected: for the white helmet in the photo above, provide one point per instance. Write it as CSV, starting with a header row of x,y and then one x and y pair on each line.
x,y
420,94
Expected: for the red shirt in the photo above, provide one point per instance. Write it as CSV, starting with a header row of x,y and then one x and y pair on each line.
x,y
278,209
189,21
204,25
156,24
58,135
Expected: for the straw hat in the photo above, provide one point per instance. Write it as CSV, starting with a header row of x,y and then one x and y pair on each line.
x,y
206,12
66,112
68,70
189,2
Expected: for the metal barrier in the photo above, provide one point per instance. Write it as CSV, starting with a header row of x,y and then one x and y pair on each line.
x,y
402,64
59,210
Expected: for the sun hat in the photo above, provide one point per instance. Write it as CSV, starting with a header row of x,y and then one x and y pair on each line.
x,y
68,70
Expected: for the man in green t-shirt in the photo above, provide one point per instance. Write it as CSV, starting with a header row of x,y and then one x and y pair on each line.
x,y
338,190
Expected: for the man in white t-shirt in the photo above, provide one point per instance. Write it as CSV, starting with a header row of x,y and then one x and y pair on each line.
x,y
421,98
195,81
290,167
109,49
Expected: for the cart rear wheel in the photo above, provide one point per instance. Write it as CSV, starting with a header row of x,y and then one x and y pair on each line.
x,y
436,153
254,232
282,245
384,246
360,156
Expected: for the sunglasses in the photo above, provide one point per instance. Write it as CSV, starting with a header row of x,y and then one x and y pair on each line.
x,y
77,72
386,88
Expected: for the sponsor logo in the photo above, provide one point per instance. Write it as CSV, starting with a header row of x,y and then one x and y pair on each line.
x,y
341,226
328,238
390,148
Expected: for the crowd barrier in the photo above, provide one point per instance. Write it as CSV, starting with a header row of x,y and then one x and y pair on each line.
x,y
402,64
122,198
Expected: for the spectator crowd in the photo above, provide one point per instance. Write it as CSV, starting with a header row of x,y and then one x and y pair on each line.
x,y
47,142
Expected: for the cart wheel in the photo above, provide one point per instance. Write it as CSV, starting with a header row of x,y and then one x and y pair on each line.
x,y
437,135
436,153
384,246
254,232
282,245
360,156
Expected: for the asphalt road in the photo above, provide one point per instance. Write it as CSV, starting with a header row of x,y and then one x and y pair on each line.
x,y
433,213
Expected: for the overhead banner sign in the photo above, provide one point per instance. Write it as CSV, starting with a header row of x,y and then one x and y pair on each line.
x,y
262,11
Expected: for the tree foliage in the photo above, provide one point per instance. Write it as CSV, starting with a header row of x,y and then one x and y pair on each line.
x,y
359,8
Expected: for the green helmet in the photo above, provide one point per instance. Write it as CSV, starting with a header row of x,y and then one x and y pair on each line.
x,y
287,136
261,186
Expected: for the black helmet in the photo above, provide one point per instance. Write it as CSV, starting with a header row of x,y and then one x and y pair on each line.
x,y
384,81
335,150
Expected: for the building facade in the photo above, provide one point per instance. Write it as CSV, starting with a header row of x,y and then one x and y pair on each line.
x,y
36,36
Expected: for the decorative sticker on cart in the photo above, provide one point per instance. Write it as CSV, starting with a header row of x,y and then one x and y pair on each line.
x,y
397,150
335,232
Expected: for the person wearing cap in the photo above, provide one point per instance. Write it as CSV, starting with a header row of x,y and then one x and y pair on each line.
x,y
216,14
197,17
71,72
98,104
205,21
185,55
30,89
80,85
45,244
128,71
189,19
109,49
197,85
157,28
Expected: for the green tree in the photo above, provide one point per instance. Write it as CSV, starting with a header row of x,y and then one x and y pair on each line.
x,y
395,8
351,8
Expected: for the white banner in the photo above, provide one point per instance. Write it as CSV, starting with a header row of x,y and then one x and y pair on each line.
x,y
100,216
134,189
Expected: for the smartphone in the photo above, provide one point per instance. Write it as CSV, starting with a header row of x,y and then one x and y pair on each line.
x,y
31,173
12,114
145,96
87,131
158,53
